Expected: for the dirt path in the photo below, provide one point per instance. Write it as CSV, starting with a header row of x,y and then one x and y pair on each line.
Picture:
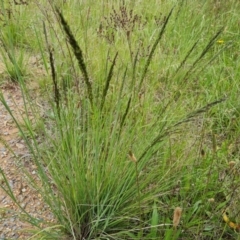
x,y
12,225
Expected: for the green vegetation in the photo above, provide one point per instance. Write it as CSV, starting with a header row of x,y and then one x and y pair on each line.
x,y
142,117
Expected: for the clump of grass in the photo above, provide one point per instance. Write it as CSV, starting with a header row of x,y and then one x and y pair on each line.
x,y
15,63
11,37
92,188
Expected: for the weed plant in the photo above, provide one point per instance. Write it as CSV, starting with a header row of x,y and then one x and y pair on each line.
x,y
135,142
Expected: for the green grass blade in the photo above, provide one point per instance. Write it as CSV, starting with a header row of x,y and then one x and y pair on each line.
x,y
109,77
203,53
153,49
125,113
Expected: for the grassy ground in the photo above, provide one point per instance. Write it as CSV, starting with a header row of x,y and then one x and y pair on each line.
x,y
143,114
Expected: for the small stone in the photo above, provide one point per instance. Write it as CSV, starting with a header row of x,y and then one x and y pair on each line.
x,y
23,205
2,236
16,236
10,183
20,146
21,197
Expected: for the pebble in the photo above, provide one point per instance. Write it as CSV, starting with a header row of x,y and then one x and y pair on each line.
x,y
3,198
15,236
20,146
10,182
2,236
23,205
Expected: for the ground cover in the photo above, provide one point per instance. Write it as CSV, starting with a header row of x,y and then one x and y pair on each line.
x,y
129,119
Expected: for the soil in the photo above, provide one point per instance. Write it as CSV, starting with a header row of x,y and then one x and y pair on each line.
x,y
12,223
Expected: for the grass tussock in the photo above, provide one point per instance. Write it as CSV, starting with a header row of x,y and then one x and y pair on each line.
x,y
141,127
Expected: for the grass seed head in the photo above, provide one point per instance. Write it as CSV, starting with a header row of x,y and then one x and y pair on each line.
x,y
177,216
211,200
232,164
132,156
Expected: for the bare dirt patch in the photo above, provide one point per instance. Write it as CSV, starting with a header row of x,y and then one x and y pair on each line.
x,y
12,224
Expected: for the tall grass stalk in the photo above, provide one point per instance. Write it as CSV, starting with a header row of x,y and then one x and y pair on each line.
x,y
81,153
